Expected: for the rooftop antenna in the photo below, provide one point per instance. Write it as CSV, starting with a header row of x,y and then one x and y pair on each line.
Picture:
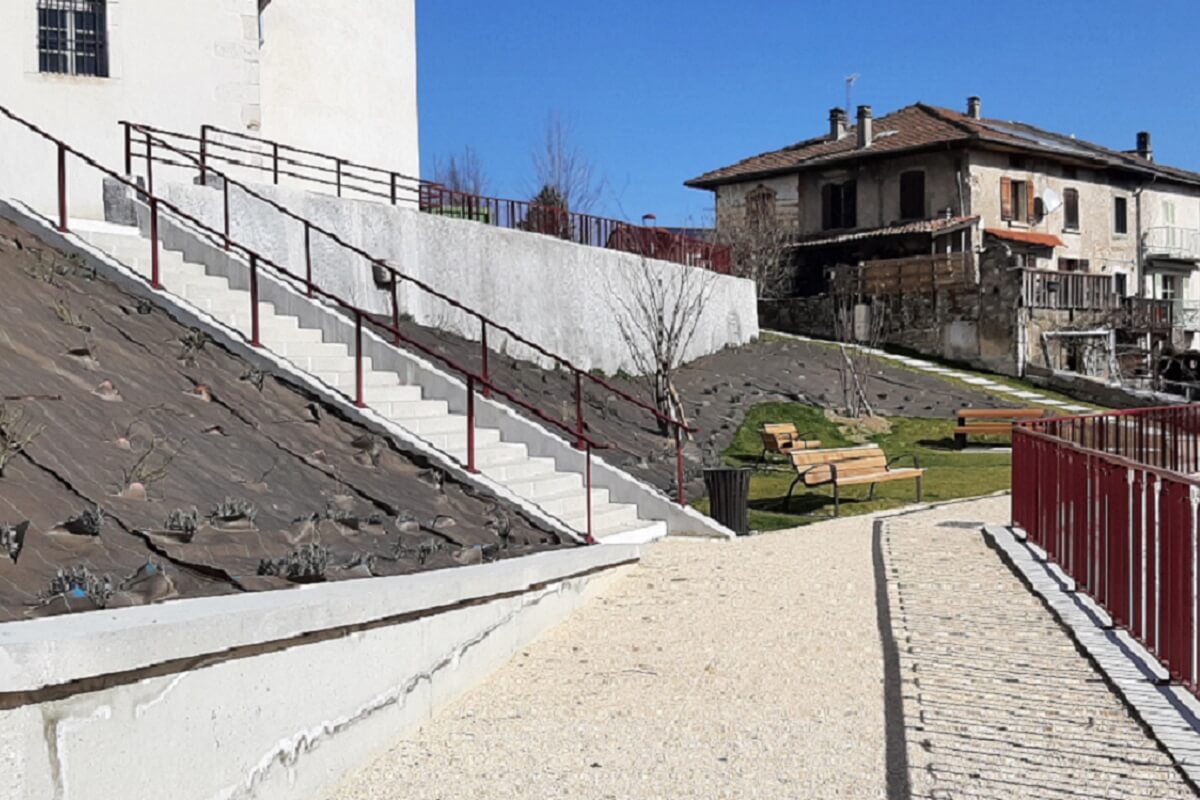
x,y
850,81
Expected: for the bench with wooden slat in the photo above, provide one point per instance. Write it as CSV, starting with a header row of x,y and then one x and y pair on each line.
x,y
782,438
994,421
850,466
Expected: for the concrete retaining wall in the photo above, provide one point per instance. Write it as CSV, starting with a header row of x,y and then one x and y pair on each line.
x,y
265,695
556,293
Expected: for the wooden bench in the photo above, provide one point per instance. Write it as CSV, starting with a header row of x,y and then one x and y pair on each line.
x,y
850,466
983,421
781,438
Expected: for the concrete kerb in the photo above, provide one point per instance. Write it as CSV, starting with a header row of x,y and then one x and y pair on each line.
x,y
1169,713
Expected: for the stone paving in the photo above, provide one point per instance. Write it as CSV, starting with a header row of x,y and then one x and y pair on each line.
x,y
997,701
758,669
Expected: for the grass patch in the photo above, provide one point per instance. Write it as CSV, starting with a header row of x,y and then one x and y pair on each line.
x,y
949,473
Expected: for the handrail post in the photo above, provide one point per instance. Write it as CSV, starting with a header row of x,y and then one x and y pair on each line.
x,y
395,312
254,332
393,178
587,490
308,283
275,162
578,410
225,203
128,148
154,282
338,163
149,163
62,188
484,354
204,155
471,424
358,362
679,466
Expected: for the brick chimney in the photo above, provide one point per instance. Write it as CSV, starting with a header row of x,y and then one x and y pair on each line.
x,y
1143,145
974,107
837,124
864,126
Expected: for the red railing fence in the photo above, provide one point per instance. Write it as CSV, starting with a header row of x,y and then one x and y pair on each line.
x,y
1112,498
156,148
158,207
273,159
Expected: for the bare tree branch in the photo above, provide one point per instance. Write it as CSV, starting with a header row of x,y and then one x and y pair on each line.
x,y
559,165
461,172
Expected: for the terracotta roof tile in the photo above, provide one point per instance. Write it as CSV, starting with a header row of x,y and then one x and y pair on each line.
x,y
1025,237
937,225
918,126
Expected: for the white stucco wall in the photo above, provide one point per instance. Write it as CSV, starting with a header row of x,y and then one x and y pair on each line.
x,y
268,694
342,78
555,293
173,64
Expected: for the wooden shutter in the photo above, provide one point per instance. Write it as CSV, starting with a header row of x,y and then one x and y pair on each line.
x,y
827,206
850,204
1006,198
1030,213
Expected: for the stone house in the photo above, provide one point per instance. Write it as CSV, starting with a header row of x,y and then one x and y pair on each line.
x,y
1087,226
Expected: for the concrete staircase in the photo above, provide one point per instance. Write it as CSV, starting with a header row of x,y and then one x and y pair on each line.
x,y
536,481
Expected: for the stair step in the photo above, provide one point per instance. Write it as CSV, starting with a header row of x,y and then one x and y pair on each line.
x,y
489,453
309,348
397,393
374,379
545,484
574,502
457,441
337,363
516,466
604,518
441,423
412,410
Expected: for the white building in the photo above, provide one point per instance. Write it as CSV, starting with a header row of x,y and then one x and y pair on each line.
x,y
324,75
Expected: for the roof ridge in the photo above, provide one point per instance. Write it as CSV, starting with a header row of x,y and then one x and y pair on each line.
x,y
949,117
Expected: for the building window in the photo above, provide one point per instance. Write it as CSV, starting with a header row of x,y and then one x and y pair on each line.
x,y
1119,284
1120,215
73,37
839,205
912,195
1016,200
760,207
1071,209
1167,289
1073,264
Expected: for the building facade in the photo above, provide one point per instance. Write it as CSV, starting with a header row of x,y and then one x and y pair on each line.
x,y
307,72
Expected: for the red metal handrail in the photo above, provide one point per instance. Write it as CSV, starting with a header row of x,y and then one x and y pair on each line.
x,y
255,259
1112,498
154,137
434,198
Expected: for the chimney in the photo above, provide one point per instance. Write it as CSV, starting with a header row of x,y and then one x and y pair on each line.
x,y
974,105
1143,145
837,124
864,126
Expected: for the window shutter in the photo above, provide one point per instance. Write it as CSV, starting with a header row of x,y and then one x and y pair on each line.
x,y
1030,213
827,206
1006,198
1083,265
850,204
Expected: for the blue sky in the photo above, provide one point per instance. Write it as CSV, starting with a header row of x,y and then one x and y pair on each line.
x,y
658,91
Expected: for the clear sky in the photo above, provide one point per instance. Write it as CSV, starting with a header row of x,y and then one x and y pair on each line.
x,y
658,91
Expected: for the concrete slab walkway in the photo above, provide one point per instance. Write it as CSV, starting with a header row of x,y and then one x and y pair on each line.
x,y
758,669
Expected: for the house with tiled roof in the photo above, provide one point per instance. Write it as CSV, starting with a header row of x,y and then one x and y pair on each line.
x,y
927,179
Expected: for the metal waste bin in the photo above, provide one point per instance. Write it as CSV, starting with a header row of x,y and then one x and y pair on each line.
x,y
729,496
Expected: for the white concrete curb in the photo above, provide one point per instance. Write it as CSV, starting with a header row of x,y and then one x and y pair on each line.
x,y
1170,713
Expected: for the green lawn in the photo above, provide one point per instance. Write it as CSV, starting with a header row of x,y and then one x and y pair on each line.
x,y
949,473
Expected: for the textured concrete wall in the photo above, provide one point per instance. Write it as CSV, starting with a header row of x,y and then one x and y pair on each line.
x,y
560,295
265,695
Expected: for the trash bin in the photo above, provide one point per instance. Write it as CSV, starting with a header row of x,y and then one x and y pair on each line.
x,y
729,496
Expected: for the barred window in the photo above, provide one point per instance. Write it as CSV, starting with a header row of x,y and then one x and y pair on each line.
x,y
73,37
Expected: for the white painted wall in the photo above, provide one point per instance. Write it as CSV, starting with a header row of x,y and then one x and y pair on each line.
x,y
558,294
341,78
280,722
329,76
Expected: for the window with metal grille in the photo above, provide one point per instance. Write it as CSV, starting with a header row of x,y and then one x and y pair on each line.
x,y
73,37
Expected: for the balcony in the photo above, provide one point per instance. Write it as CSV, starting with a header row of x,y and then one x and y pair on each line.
x,y
1074,291
1169,241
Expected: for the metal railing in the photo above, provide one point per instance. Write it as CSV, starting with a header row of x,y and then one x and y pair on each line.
x,y
157,208
1172,241
278,160
1112,500
1079,291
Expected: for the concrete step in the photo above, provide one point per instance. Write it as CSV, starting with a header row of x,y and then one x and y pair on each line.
x,y
545,484
457,441
373,379
402,412
310,348
488,454
516,465
638,532
440,423
606,518
574,502
335,363
388,394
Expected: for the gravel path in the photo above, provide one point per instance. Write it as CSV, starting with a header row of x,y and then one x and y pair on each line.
x,y
756,669
997,701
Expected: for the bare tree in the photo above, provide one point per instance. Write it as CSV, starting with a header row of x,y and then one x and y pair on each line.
x,y
758,250
560,166
858,327
658,313
461,172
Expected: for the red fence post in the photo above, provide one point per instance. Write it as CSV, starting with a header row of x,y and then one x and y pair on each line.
x,y
154,282
679,466
587,488
128,148
204,155
484,355
275,163
62,188
225,202
254,332
393,182
358,363
578,410
308,283
471,424
149,163
338,163
395,312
